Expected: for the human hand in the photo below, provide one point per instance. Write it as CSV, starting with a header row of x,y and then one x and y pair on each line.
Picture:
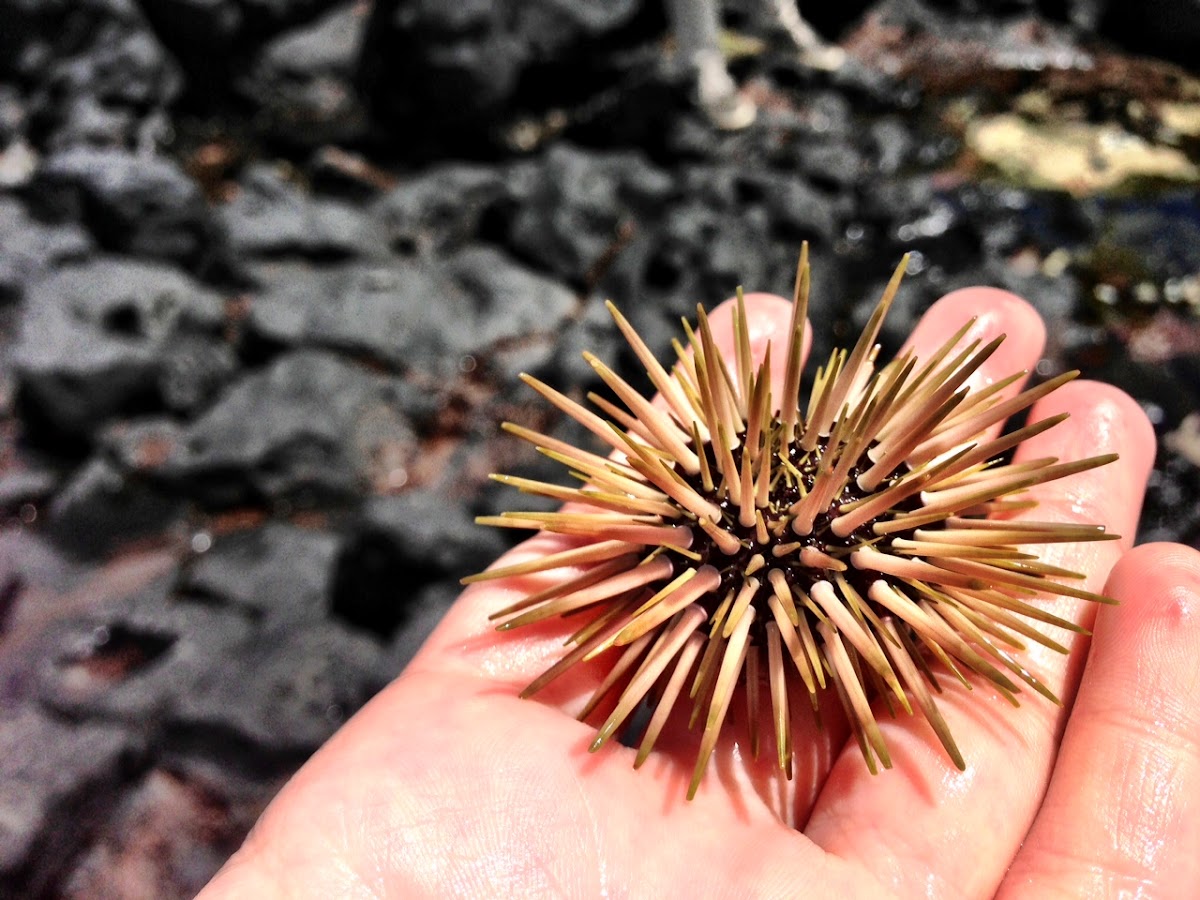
x,y
447,784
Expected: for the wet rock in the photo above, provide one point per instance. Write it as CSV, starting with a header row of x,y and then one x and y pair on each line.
x,y
55,778
308,428
132,203
302,81
96,339
29,247
277,574
396,313
444,208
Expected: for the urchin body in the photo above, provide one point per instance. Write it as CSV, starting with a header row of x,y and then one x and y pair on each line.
x,y
861,541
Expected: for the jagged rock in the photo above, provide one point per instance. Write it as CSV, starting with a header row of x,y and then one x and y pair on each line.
x,y
132,203
96,340
29,247
93,70
425,611
55,777
281,574
570,221
443,208
285,694
396,312
302,81
309,427
455,69
100,507
271,217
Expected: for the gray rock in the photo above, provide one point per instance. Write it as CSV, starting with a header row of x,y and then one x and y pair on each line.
x,y
286,694
426,610
442,208
133,203
271,217
100,507
397,313
279,573
96,71
310,426
54,777
571,220
28,247
431,532
302,81
135,659
96,340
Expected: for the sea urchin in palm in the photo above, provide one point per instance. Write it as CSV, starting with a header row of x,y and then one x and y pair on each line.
x,y
739,541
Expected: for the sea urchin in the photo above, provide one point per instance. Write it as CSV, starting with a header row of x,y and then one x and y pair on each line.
x,y
737,538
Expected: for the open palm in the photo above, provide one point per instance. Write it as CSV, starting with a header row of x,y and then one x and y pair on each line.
x,y
447,784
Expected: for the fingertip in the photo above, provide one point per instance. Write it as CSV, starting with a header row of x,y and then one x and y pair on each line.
x,y
768,317
1148,571
1103,419
995,313
994,305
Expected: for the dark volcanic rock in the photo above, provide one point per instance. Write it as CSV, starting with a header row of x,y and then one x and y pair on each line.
x,y
455,68
302,81
309,427
286,694
570,220
133,203
133,660
222,26
54,776
279,573
100,507
94,71
271,217
431,532
397,313
28,247
96,340
426,609
444,208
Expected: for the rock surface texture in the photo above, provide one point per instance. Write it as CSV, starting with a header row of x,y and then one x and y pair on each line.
x,y
268,272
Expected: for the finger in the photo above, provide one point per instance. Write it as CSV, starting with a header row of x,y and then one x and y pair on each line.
x,y
995,312
926,826
1122,813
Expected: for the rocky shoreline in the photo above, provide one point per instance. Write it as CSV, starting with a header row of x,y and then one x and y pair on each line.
x,y
268,272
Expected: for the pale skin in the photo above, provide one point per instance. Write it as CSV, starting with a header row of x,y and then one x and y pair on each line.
x,y
447,784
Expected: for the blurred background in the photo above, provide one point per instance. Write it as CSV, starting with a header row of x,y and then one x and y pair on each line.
x,y
269,269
